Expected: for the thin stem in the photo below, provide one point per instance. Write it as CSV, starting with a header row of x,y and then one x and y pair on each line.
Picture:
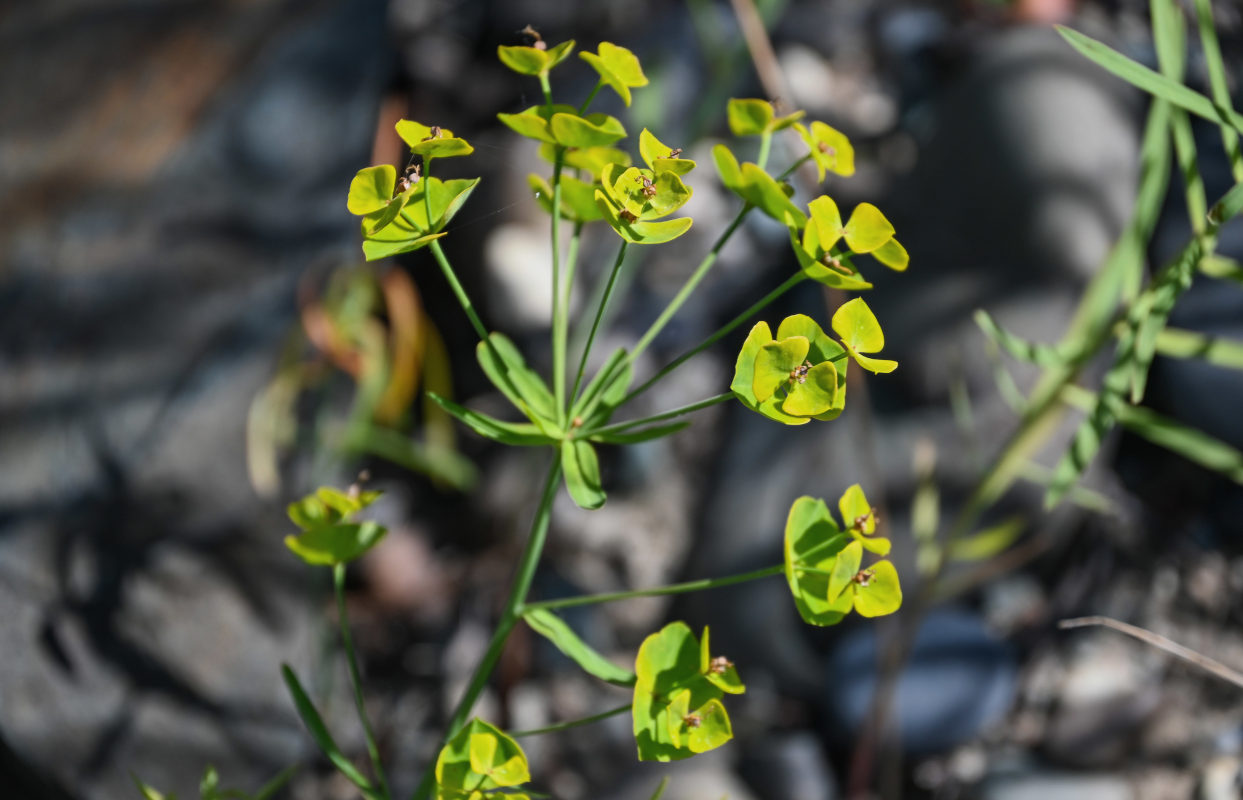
x,y
766,143
677,412
427,195
514,606
1156,640
583,108
595,325
558,308
574,723
676,588
689,286
351,658
793,167
462,298
790,283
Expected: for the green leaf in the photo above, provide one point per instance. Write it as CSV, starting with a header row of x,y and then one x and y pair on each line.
x,y
522,59
594,130
619,69
432,142
591,160
479,757
860,332
507,370
811,257
533,122
641,232
641,435
812,542
319,732
701,730
814,393
774,364
762,191
992,541
210,783
658,155
512,433
1154,83
345,503
1179,343
881,594
892,255
578,201
830,149
582,473
372,189
1220,87
312,512
719,670
148,792
335,544
844,569
1041,354
867,229
559,52
727,167
857,512
382,245
749,116
553,628
1193,445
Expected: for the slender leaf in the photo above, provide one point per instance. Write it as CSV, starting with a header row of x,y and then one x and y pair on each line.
x,y
1217,80
1154,83
514,433
319,732
1178,343
555,630
1043,355
643,435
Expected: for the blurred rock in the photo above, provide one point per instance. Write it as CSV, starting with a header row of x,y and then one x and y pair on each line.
x,y
1038,785
959,680
789,765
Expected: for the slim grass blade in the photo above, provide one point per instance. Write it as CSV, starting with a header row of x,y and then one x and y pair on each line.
x,y
1218,86
319,732
1154,83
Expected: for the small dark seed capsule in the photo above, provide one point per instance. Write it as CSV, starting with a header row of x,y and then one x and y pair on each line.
x,y
628,215
692,720
675,152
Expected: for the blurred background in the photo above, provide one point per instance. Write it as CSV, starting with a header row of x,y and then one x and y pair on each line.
x,y
188,341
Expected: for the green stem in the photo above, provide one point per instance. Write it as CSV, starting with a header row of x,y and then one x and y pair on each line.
x,y
677,412
546,88
766,143
514,607
462,298
595,325
758,306
583,108
574,723
676,588
558,308
689,286
790,169
351,658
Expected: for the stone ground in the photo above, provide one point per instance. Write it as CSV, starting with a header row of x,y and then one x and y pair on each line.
x,y
173,177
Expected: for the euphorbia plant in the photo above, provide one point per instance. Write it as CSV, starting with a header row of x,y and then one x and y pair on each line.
x,y
680,686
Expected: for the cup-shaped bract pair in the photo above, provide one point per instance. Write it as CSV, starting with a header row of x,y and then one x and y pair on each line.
x,y
795,377
559,124
329,535
831,150
860,334
757,187
535,59
478,759
634,200
403,214
679,684
619,69
823,562
749,116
